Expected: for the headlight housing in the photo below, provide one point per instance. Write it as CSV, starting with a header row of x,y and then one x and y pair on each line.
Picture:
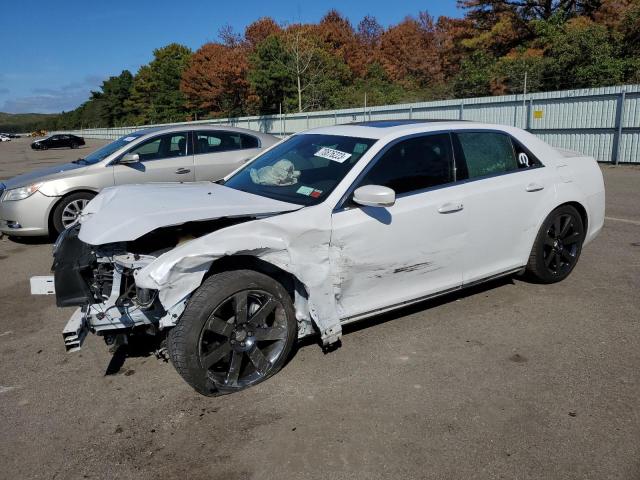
x,y
21,193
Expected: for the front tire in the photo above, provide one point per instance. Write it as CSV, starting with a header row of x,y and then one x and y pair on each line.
x,y
557,247
238,330
67,211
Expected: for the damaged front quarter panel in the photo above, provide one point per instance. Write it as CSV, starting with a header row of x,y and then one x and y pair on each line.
x,y
295,242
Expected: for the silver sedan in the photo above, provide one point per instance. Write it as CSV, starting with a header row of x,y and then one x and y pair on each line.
x,y
48,201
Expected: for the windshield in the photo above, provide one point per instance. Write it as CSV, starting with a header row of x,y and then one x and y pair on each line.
x,y
303,169
104,152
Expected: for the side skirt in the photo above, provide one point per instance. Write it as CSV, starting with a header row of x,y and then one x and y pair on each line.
x,y
371,313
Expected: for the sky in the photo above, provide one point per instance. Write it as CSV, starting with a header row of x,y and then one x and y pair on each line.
x,y
55,53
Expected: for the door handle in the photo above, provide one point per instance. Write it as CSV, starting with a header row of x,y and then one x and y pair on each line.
x,y
182,171
534,187
450,207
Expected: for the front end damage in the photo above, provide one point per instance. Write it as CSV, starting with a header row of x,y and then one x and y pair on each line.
x,y
99,281
131,274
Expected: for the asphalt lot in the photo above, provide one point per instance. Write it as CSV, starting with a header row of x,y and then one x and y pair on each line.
x,y
510,380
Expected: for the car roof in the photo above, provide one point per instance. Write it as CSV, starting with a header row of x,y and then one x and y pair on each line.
x,y
182,128
393,128
398,123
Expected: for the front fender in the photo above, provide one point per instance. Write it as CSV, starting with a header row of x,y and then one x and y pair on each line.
x,y
293,244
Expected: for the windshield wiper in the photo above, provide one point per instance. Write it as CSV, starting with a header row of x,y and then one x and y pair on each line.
x,y
80,161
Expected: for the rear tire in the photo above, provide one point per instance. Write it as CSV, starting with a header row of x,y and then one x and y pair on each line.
x,y
238,330
557,247
68,209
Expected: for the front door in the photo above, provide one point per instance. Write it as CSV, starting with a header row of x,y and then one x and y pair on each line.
x,y
165,158
388,256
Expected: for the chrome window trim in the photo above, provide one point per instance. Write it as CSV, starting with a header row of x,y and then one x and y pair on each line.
x,y
195,136
143,140
341,207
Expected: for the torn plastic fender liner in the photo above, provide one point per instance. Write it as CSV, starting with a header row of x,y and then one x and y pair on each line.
x,y
295,243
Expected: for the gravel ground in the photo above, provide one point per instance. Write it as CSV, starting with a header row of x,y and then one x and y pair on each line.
x,y
508,380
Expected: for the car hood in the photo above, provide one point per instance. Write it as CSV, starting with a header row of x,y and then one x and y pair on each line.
x,y
43,174
125,213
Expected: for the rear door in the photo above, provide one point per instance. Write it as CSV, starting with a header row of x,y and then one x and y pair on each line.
x,y
506,195
164,158
54,141
219,152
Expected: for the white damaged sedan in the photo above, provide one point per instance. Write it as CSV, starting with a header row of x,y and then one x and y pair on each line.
x,y
327,227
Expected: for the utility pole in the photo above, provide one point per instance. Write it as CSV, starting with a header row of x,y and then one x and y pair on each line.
x,y
364,116
524,102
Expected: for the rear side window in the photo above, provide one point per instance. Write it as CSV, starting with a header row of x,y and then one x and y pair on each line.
x,y
214,142
485,153
249,141
414,164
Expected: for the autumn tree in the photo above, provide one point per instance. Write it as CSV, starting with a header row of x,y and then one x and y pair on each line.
x,y
215,82
557,43
369,32
408,52
486,12
258,31
339,39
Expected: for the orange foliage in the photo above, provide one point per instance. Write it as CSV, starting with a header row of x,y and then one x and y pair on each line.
x,y
216,79
260,30
408,52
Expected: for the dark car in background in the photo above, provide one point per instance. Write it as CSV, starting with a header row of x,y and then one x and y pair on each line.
x,y
58,141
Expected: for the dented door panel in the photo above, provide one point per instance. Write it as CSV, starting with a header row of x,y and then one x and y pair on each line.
x,y
385,256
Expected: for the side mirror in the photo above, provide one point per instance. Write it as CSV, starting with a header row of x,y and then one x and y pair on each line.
x,y
130,158
374,196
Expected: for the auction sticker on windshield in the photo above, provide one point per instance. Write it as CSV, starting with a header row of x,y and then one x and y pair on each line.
x,y
331,154
128,139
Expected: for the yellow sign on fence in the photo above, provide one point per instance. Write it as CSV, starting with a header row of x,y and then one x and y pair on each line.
x,y
537,114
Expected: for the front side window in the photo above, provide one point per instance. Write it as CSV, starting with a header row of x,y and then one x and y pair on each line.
x,y
164,146
304,169
414,164
110,148
214,142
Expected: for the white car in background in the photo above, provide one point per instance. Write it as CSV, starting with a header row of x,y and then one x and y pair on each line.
x,y
4,138
331,226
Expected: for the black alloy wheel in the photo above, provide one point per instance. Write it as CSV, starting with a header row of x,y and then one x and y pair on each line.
x,y
244,336
238,329
558,245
